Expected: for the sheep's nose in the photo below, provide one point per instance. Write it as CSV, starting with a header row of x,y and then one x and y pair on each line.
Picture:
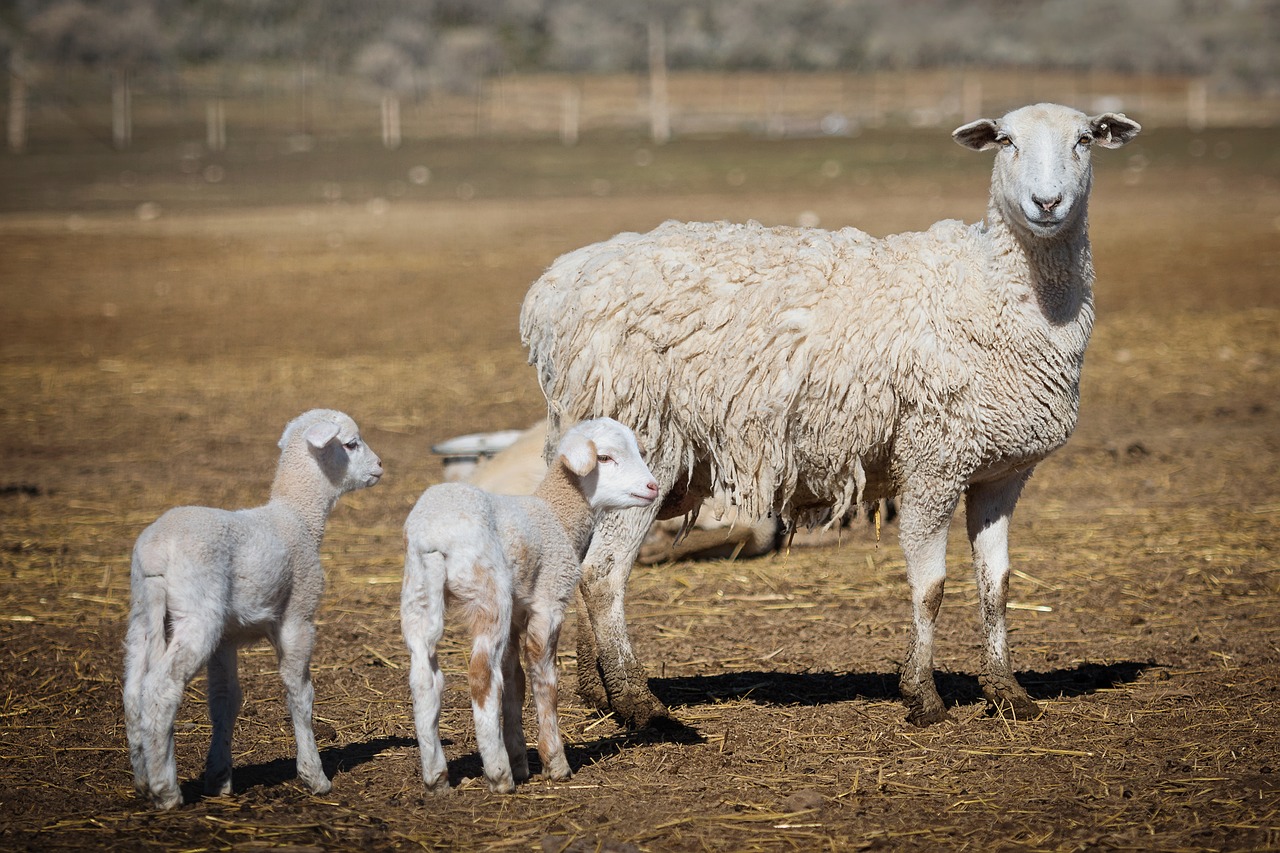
x,y
1047,204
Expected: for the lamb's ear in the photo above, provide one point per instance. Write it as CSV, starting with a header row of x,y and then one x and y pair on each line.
x,y
578,454
318,435
978,135
1111,130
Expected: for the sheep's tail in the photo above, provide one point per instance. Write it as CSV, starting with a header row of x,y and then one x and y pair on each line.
x,y
144,646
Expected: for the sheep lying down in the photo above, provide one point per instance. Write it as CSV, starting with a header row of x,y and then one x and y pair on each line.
x,y
804,371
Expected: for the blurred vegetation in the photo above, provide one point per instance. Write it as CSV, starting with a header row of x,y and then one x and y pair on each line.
x,y
414,47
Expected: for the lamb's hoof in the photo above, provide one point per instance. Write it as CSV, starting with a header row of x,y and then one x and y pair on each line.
x,y
319,786
922,716
439,785
1020,709
217,786
166,800
559,771
503,785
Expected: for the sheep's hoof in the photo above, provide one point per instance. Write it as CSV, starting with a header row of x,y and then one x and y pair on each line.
x,y
438,786
1018,709
559,771
217,786
164,801
504,785
922,716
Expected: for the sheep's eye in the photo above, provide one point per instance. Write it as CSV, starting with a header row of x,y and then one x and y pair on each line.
x,y
603,458
352,444
1003,141
1086,139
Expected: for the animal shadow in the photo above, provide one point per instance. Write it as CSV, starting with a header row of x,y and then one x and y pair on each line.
x,y
822,688
579,755
336,759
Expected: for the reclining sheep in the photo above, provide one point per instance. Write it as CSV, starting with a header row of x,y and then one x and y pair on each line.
x,y
206,581
807,371
511,564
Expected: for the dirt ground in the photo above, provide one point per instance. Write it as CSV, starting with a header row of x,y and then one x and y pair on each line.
x,y
151,352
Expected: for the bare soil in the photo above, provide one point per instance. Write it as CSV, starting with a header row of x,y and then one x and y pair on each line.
x,y
149,357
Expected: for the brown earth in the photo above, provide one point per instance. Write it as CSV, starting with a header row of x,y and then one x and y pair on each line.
x,y
149,357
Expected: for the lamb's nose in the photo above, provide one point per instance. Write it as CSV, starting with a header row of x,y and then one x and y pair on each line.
x,y
1047,204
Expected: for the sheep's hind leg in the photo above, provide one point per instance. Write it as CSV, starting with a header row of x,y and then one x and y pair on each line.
x,y
513,684
609,676
923,534
485,677
422,622
988,510
540,645
224,706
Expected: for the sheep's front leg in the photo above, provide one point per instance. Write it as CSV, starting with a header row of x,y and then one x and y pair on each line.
x,y
513,709
293,649
988,510
224,706
609,676
540,648
923,523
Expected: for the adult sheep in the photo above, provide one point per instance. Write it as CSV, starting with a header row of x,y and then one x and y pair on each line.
x,y
803,371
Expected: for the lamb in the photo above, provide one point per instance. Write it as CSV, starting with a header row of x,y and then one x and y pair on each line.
x,y
510,462
511,563
205,581
806,371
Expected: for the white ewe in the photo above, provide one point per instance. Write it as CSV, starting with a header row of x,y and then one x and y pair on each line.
x,y
511,563
206,581
805,371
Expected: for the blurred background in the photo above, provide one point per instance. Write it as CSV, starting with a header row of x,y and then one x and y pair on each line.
x,y
123,72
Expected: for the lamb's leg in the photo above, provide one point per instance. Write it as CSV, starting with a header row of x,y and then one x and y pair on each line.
x,y
293,649
988,510
923,534
609,676
224,707
144,647
422,622
540,645
485,677
513,709
189,647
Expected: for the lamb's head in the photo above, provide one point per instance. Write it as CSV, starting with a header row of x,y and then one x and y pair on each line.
x,y
329,441
1042,174
604,456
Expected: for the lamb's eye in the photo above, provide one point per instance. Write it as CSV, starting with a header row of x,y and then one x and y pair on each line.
x,y
1086,139
603,458
1003,141
352,444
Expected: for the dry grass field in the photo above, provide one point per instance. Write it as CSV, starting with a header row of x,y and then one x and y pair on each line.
x,y
164,313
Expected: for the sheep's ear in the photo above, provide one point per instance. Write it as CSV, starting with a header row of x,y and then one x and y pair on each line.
x,y
1111,130
578,454
318,435
978,135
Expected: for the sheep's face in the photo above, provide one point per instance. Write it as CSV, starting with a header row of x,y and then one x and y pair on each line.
x,y
333,439
1042,174
610,468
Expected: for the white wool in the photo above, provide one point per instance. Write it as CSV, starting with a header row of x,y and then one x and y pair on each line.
x,y
205,581
801,371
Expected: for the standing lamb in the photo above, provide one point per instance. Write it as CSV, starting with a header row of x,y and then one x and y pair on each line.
x,y
805,371
206,581
511,562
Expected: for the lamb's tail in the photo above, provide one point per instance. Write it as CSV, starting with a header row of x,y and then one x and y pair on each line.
x,y
144,646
